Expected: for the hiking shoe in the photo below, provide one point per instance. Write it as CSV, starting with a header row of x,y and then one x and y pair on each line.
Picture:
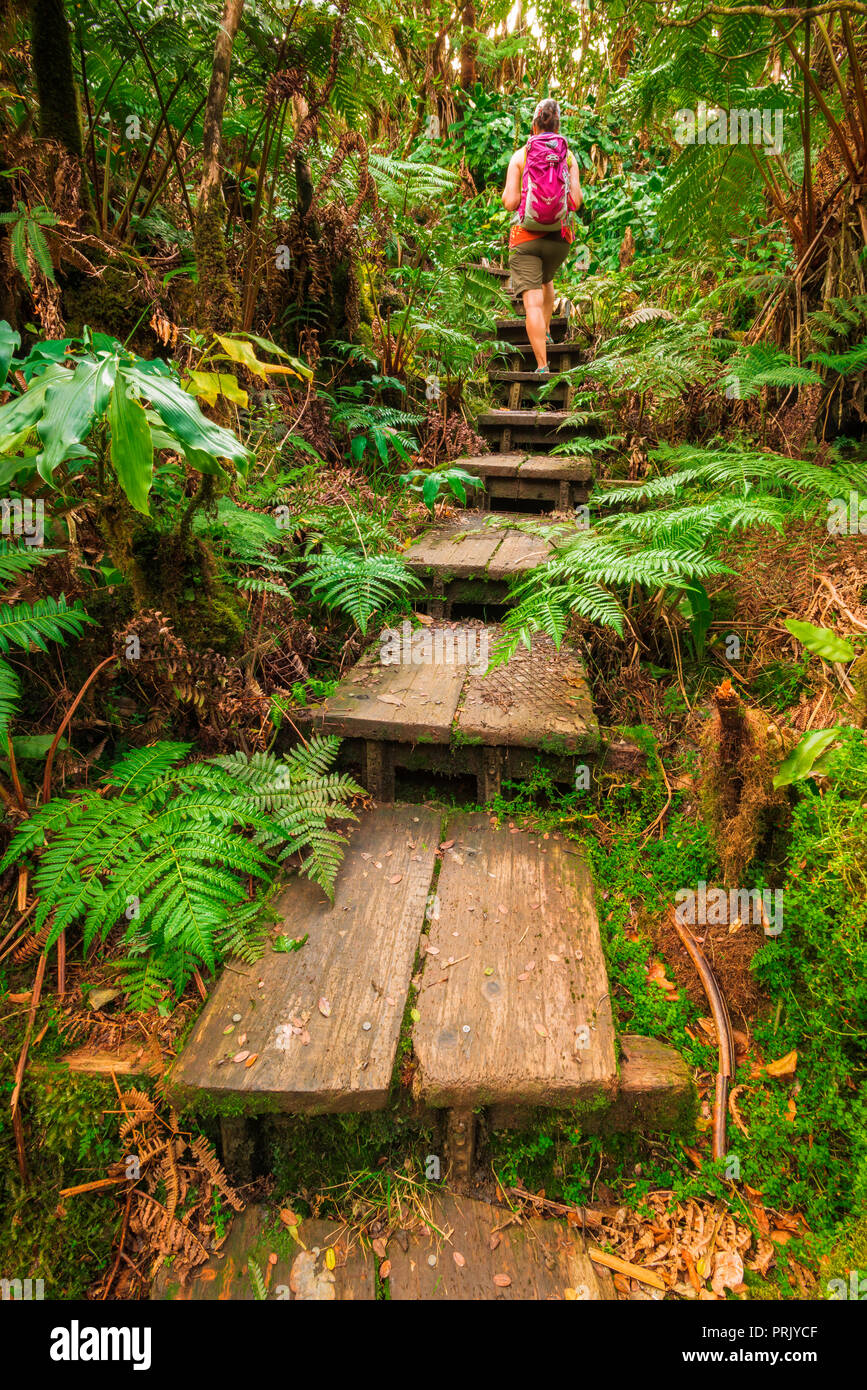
x,y
542,371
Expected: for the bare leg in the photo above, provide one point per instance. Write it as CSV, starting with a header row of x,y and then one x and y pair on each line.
x,y
534,301
548,304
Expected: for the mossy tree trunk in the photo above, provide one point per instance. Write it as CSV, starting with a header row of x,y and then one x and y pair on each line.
x,y
59,115
219,303
469,47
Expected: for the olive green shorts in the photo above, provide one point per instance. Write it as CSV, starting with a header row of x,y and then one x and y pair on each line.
x,y
534,263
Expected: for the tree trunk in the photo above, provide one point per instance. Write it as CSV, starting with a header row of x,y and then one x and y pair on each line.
x,y
219,304
469,47
59,116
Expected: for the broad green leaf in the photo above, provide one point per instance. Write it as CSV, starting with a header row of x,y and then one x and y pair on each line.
x,y
34,745
179,413
209,385
68,415
821,641
15,466
430,490
18,417
132,449
9,341
202,461
803,759
267,346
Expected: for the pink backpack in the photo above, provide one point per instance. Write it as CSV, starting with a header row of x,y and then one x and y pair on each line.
x,y
544,203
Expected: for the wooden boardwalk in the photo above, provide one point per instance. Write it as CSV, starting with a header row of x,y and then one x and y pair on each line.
x,y
460,970
471,948
523,1014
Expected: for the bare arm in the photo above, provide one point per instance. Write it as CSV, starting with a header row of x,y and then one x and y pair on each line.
x,y
512,190
575,194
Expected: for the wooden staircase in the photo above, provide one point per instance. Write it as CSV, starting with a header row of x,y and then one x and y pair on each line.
x,y
460,968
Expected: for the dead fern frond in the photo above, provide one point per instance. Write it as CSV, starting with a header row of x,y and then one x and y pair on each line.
x,y
208,1160
165,1231
31,945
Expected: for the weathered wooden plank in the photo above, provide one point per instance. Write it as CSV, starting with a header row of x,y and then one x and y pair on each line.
x,y
656,1093
401,701
558,324
528,378
575,468
517,551
298,1274
539,699
522,1015
500,419
344,991
541,1260
462,548
487,465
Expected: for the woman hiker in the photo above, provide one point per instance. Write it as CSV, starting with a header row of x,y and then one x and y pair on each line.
x,y
542,188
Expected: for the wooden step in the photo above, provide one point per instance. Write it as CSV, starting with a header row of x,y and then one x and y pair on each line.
x,y
525,378
323,1022
523,388
499,419
515,329
532,1260
300,1270
510,1008
556,352
528,429
446,713
523,1015
470,559
559,481
358,957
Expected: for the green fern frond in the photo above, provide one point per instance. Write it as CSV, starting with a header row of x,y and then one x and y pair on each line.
x,y
358,585
166,851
